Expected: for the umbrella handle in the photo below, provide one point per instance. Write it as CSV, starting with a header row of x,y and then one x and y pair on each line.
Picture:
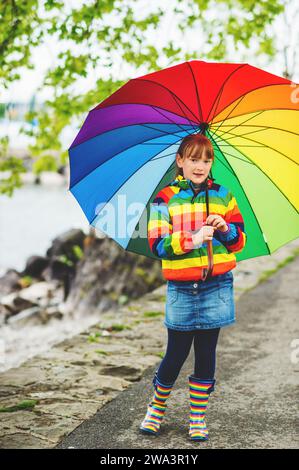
x,y
208,271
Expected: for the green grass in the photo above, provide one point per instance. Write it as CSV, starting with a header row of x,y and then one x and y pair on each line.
x,y
120,327
266,274
78,252
132,308
115,327
160,354
26,281
23,405
151,314
93,338
101,351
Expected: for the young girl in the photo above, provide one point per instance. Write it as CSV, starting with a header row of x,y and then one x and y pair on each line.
x,y
196,308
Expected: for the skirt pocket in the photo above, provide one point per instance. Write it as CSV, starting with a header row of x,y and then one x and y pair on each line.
x,y
172,294
225,287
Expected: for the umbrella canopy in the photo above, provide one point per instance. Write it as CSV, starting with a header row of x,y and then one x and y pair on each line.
x,y
125,151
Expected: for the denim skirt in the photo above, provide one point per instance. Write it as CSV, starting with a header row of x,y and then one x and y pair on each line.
x,y
196,305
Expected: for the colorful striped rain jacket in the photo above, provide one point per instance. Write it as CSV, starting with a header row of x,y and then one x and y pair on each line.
x,y
177,212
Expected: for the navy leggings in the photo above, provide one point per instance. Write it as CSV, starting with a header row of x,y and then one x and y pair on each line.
x,y
178,348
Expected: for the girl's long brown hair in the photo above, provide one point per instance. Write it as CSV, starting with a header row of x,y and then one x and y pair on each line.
x,y
194,142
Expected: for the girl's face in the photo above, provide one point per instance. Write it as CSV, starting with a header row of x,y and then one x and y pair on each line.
x,y
195,168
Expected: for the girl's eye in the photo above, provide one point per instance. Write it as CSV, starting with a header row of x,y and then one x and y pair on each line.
x,y
195,160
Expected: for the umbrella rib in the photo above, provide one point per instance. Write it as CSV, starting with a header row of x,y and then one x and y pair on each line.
x,y
238,135
172,153
200,115
248,92
228,169
158,143
263,145
145,142
165,132
171,92
123,183
253,146
162,156
258,111
245,195
186,117
221,122
246,120
261,128
243,96
179,125
260,169
134,124
190,122
218,96
241,159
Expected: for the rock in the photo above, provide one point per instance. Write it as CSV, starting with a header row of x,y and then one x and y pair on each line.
x,y
102,274
106,333
47,425
105,304
38,291
15,303
35,265
54,312
19,440
35,316
39,294
123,370
24,315
64,243
3,315
59,269
9,282
64,255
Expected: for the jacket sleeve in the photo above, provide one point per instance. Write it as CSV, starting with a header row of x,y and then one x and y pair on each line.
x,y
163,242
234,239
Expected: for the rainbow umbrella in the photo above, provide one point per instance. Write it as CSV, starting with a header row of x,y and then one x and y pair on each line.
x,y
125,151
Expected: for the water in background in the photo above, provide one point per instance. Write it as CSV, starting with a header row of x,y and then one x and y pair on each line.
x,y
32,218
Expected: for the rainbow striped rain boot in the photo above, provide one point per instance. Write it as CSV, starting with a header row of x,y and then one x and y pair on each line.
x,y
156,408
199,397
